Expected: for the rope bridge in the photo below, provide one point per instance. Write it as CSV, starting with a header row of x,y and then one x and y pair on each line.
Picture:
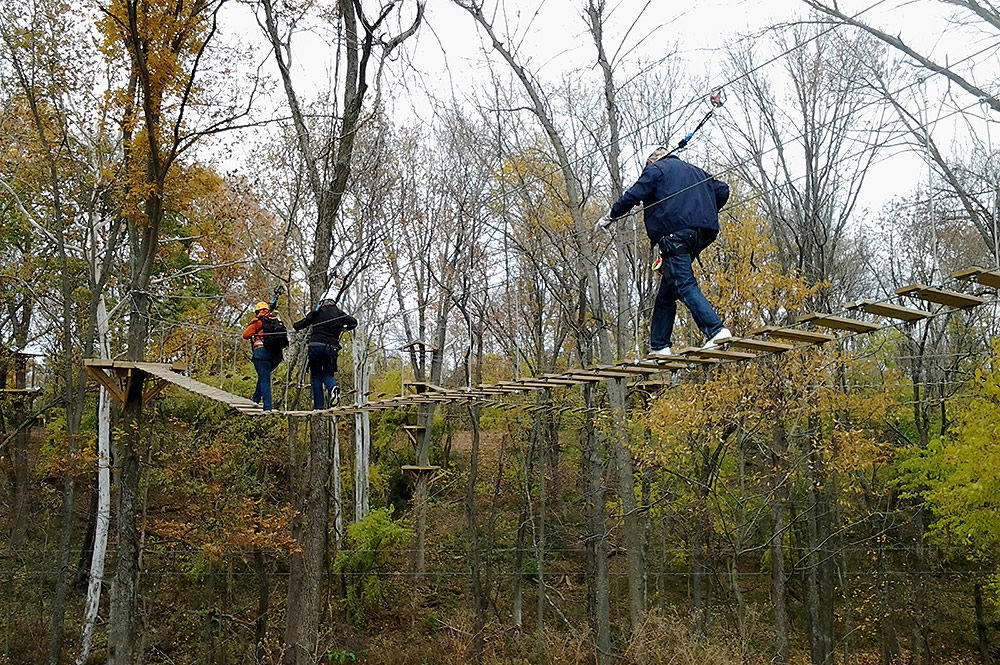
x,y
118,376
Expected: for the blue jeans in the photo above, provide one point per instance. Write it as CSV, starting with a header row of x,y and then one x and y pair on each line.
x,y
264,362
678,283
322,367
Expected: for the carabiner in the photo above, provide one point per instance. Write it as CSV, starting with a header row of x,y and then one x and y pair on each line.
x,y
717,96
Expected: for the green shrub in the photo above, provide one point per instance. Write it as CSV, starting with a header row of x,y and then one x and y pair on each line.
x,y
370,547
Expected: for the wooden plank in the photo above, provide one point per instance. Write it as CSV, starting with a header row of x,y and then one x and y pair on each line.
x,y
664,366
582,376
837,322
940,296
798,335
558,379
990,278
606,372
681,354
720,354
415,468
761,345
890,311
628,368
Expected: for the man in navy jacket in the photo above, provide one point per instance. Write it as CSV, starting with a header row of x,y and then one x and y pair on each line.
x,y
325,324
681,206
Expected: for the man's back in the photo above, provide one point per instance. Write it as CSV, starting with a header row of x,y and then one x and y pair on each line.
x,y
675,195
326,324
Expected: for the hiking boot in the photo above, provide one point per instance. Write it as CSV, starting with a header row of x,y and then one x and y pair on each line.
x,y
718,337
661,353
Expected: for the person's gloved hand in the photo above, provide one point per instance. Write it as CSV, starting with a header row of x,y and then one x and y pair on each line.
x,y
604,223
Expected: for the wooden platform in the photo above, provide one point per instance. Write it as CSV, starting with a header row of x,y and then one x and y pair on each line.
x,y
115,375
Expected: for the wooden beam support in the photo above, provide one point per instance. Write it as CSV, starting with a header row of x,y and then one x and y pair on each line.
x,y
155,388
109,383
940,296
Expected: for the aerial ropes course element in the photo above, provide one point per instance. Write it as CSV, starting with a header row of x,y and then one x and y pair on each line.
x,y
811,328
716,97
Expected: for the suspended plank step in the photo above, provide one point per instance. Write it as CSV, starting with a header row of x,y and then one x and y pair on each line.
x,y
558,379
837,322
940,296
664,366
629,368
990,278
796,335
719,354
418,469
761,345
890,311
682,354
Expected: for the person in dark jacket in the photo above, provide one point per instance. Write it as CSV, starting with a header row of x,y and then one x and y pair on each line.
x,y
681,206
326,322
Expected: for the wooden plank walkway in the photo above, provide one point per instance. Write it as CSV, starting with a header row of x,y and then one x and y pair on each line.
x,y
761,342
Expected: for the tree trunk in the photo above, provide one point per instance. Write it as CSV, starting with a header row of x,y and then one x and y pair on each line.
x,y
596,536
362,424
18,514
633,533
338,505
779,490
124,588
982,632
96,575
263,602
306,567
479,599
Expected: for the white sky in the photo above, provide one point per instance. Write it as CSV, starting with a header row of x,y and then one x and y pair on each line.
x,y
449,61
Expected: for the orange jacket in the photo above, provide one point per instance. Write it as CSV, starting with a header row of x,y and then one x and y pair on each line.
x,y
255,331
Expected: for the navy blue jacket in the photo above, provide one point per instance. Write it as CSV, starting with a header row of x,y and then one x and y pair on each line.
x,y
326,324
676,195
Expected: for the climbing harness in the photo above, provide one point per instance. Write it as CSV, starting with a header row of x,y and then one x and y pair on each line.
x,y
716,97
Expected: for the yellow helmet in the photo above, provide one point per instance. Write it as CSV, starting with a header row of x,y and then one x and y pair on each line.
x,y
260,305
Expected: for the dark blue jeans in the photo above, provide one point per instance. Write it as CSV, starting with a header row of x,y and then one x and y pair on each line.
x,y
322,367
264,362
678,283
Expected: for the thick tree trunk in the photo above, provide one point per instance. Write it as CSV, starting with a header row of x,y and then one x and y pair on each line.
x,y
307,566
124,588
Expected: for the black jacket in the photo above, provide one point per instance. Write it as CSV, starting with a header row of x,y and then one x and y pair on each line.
x,y
676,196
325,324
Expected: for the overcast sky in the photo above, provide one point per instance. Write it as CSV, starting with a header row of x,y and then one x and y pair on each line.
x,y
447,60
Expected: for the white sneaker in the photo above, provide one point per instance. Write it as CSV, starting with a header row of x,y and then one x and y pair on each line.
x,y
661,353
721,335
